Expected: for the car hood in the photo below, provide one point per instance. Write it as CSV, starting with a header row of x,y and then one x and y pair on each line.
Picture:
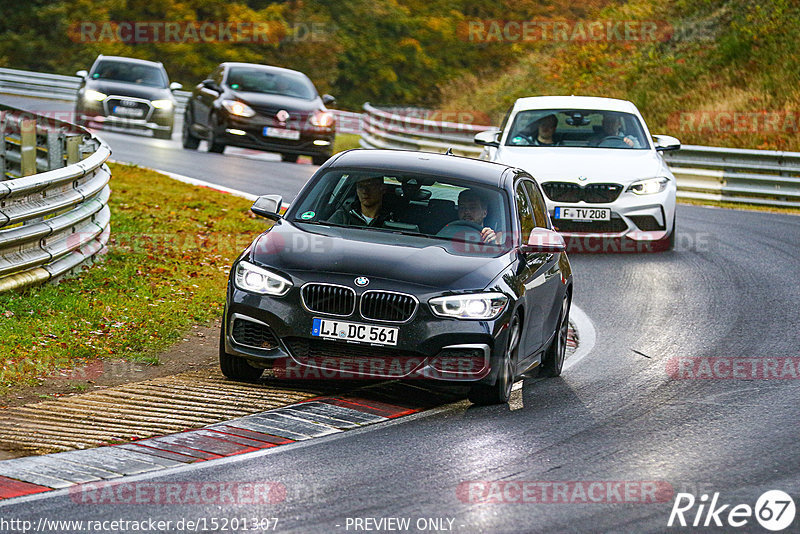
x,y
594,164
376,255
129,89
288,103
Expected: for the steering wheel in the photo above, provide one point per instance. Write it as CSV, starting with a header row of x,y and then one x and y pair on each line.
x,y
615,141
453,228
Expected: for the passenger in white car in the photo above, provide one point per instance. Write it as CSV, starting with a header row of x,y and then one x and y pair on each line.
x,y
540,132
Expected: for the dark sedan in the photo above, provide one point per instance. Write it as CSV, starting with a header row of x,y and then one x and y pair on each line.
x,y
127,93
263,108
393,264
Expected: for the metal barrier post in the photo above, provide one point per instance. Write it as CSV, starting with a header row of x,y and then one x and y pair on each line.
x,y
2,145
73,150
55,150
27,147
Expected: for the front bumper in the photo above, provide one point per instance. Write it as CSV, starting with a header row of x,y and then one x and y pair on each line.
x,y
249,133
125,123
154,119
637,218
428,347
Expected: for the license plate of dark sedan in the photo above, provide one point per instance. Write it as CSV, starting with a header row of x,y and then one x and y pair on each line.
x,y
583,214
281,133
128,112
364,333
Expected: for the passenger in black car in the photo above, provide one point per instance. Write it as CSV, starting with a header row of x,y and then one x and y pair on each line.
x,y
369,210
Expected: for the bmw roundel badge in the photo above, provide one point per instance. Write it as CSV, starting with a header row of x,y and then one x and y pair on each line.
x,y
362,281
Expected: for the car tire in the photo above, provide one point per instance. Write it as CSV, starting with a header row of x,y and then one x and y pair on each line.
x,y
190,141
500,391
163,135
289,158
319,160
234,367
213,145
553,361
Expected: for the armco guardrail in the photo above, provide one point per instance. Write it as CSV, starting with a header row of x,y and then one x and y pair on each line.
x,y
392,130
54,192
765,177
762,177
58,87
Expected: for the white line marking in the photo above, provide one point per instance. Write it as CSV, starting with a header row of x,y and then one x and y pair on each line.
x,y
586,336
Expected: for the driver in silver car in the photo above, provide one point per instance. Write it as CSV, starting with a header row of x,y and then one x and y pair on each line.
x,y
472,210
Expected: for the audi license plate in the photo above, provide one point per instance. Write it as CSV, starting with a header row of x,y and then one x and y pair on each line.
x,y
281,133
364,333
128,111
583,214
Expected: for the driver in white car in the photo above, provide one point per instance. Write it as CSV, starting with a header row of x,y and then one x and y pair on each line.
x,y
472,209
612,127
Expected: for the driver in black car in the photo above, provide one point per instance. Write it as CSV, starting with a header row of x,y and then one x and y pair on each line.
x,y
612,127
369,210
472,211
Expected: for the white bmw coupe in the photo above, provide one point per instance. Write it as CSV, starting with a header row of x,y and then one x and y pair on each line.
x,y
602,173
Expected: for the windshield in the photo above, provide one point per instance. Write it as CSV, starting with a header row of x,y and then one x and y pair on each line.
x,y
256,80
407,204
576,128
121,71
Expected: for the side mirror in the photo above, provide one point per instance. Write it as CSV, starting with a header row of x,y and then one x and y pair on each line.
x,y
210,84
174,86
82,73
268,206
488,138
328,100
544,240
666,142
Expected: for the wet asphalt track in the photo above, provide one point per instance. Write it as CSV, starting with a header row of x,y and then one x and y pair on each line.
x,y
729,290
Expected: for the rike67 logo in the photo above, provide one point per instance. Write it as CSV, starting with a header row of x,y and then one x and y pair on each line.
x,y
774,510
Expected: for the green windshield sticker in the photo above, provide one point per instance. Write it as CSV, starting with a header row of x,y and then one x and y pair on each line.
x,y
234,86
308,215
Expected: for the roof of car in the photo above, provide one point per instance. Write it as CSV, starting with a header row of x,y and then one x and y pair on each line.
x,y
131,60
458,167
259,66
574,102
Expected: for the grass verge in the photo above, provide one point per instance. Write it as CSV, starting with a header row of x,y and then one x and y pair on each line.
x,y
345,141
166,268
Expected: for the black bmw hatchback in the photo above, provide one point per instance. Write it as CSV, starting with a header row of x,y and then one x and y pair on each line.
x,y
393,264
263,108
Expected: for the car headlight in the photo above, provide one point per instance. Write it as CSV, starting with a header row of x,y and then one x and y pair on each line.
x,y
253,278
91,94
650,186
322,119
474,306
237,108
162,104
